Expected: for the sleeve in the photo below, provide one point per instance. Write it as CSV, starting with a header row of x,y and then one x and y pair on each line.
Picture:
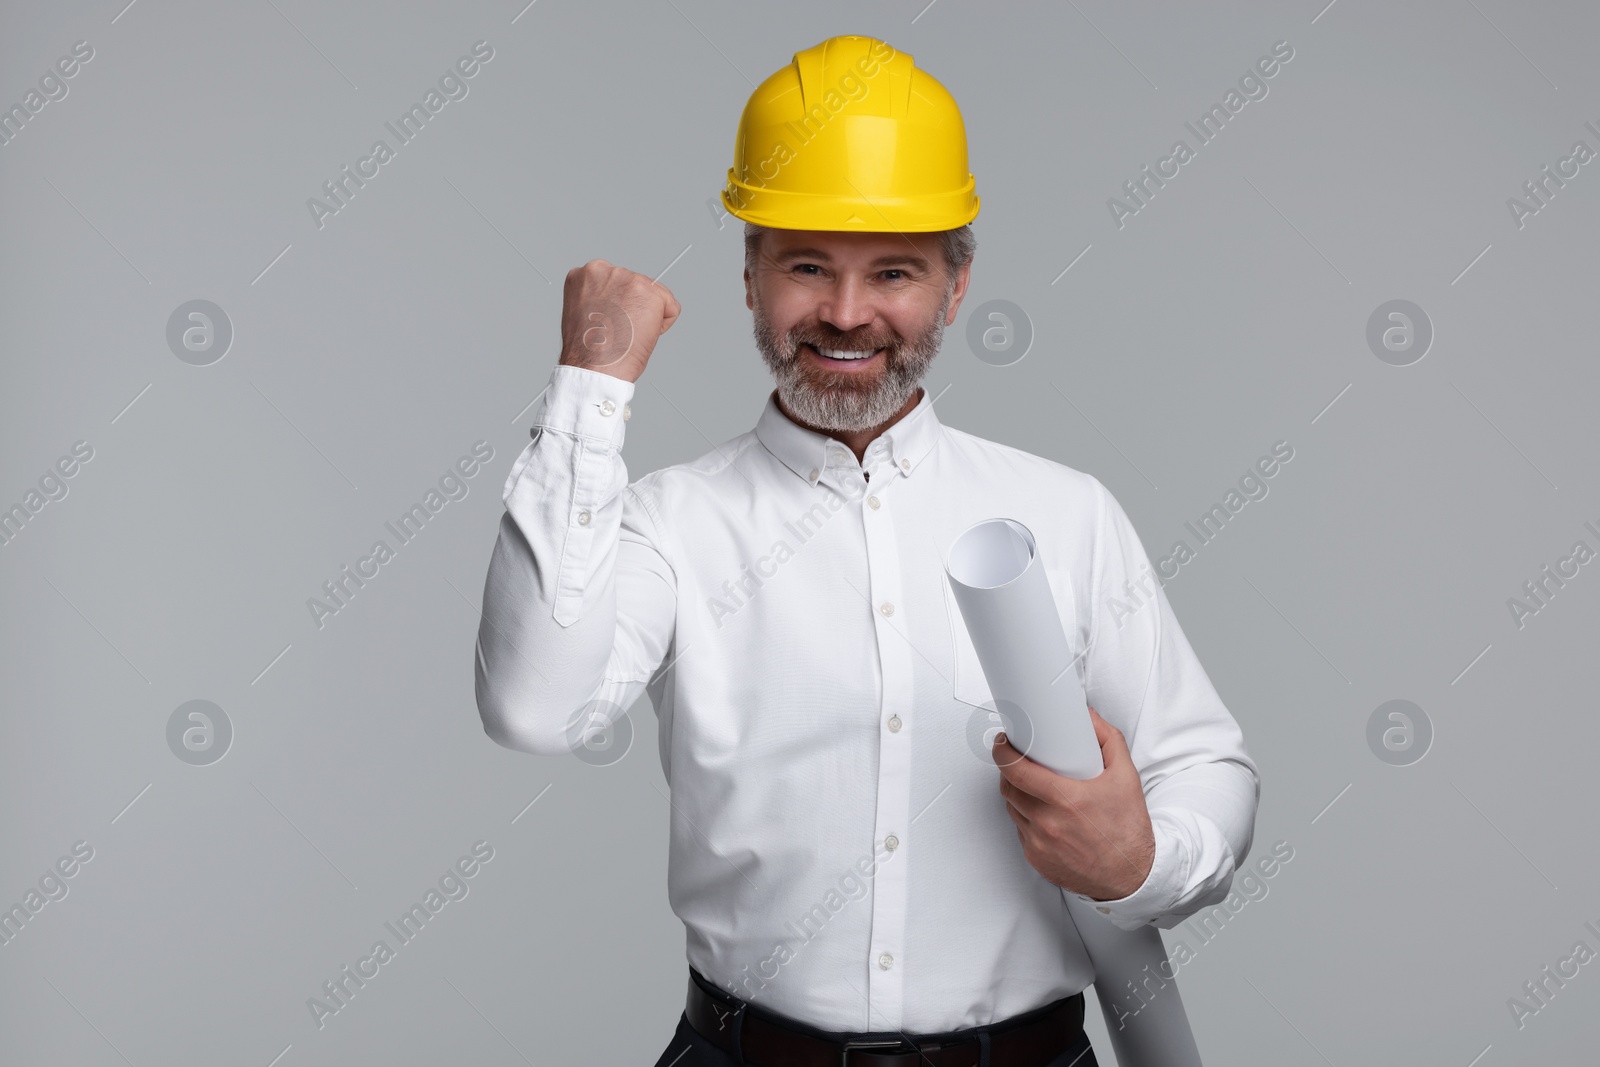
x,y
1201,785
580,601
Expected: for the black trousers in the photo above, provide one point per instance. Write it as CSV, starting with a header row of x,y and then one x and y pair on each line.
x,y
689,1049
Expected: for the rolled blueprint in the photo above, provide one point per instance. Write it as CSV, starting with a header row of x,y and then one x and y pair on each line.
x,y
1005,600
1004,595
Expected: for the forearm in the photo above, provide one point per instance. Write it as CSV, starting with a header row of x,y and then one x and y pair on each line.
x,y
549,620
1203,819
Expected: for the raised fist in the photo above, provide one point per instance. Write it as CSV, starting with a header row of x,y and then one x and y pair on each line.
x,y
612,317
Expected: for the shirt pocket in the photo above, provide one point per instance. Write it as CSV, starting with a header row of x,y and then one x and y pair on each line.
x,y
967,683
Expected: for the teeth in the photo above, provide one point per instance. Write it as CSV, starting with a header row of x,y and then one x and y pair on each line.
x,y
839,353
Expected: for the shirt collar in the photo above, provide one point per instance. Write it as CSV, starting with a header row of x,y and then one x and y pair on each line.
x,y
810,454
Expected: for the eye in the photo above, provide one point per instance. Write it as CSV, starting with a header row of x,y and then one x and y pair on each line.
x,y
805,267
895,270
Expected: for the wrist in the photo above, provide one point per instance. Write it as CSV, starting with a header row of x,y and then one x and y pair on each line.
x,y
614,372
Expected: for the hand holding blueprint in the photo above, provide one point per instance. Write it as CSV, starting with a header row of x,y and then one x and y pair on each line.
x,y
1004,595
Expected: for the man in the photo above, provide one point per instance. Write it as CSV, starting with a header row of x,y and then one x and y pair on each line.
x,y
852,879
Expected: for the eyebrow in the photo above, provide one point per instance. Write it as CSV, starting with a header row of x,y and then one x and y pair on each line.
x,y
899,258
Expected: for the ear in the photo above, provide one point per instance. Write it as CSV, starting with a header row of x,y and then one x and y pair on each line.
x,y
963,276
747,301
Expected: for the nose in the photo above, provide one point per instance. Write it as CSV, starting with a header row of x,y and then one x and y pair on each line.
x,y
847,305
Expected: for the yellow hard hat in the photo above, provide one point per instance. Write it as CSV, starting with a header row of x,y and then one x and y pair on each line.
x,y
851,136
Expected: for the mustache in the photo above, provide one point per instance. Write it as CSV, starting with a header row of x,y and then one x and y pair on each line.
x,y
854,341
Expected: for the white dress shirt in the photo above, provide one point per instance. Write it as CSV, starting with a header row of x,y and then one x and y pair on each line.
x,y
840,852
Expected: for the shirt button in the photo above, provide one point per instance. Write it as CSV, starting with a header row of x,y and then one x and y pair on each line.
x,y
891,842
1102,911
886,607
886,961
814,473
873,502
894,724
627,412
905,464
607,407
583,518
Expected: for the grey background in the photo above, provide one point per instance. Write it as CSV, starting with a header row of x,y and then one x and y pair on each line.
x,y
370,354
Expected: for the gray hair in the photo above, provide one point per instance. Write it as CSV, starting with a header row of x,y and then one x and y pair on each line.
x,y
958,246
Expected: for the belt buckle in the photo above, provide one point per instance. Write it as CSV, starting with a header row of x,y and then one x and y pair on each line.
x,y
894,1042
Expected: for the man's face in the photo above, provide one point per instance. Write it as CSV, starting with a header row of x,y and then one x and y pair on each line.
x,y
814,292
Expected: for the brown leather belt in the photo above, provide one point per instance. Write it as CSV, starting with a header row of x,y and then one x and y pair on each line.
x,y
766,1039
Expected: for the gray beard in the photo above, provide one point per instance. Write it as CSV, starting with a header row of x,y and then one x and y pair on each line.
x,y
836,401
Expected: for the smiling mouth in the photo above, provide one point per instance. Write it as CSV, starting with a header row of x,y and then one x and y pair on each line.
x,y
843,359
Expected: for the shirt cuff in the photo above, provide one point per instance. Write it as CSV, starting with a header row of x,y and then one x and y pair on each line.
x,y
1162,886
586,403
